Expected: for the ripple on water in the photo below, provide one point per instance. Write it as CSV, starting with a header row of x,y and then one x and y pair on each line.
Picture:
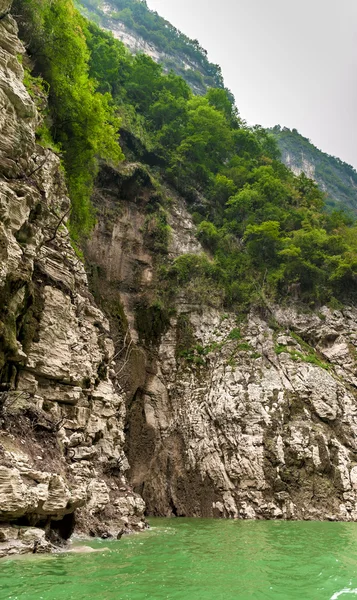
x,y
198,559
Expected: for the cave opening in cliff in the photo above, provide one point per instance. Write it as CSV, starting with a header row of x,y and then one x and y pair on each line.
x,y
59,529
29,521
63,528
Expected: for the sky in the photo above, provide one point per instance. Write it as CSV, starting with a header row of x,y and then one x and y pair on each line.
x,y
286,62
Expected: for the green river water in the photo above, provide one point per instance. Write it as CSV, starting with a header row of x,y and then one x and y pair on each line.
x,y
198,559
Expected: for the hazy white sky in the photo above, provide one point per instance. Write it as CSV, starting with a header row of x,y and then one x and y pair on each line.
x,y
292,63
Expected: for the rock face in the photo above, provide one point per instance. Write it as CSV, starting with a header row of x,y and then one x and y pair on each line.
x,y
337,179
255,423
180,62
304,167
255,419
61,408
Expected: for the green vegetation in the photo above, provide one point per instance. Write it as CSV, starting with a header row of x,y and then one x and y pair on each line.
x,y
235,334
309,354
180,50
265,230
152,321
280,348
245,347
157,232
194,353
82,120
335,177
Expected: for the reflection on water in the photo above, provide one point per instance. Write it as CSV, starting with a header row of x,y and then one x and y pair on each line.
x,y
199,559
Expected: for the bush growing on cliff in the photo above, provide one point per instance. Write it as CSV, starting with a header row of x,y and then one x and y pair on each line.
x,y
152,320
83,120
157,232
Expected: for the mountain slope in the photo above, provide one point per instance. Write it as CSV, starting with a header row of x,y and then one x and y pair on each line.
x,y
143,30
334,177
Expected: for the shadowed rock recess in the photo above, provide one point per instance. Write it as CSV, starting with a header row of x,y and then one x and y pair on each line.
x,y
62,465
217,416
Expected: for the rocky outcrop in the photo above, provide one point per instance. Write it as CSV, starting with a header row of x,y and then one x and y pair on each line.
x,y
21,540
304,166
247,419
62,410
253,422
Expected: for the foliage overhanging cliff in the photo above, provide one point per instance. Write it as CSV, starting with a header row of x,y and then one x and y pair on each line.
x,y
265,229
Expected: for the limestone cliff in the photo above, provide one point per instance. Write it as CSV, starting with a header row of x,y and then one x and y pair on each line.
x,y
61,408
152,35
217,414
247,419
336,179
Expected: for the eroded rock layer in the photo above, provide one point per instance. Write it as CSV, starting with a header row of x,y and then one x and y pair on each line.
x,y
61,408
218,415
258,422
226,417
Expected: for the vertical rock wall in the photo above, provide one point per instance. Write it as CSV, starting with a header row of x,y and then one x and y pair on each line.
x,y
244,419
254,421
61,408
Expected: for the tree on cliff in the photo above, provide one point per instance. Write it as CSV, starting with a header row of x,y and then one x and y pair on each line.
x,y
82,119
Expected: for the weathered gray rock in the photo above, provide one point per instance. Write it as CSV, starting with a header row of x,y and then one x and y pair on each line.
x,y
252,432
60,404
257,426
23,540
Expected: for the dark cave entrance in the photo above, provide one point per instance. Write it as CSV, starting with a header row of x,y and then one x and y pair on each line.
x,y
173,508
57,531
63,528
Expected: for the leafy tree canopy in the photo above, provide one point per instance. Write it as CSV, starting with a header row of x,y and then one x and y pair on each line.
x,y
266,231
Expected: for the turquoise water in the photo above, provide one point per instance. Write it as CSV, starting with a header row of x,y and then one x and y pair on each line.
x,y
198,559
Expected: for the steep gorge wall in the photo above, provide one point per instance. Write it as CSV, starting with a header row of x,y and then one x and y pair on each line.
x,y
248,419
254,427
62,410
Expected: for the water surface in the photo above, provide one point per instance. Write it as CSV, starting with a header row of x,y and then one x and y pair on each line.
x,y
198,559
